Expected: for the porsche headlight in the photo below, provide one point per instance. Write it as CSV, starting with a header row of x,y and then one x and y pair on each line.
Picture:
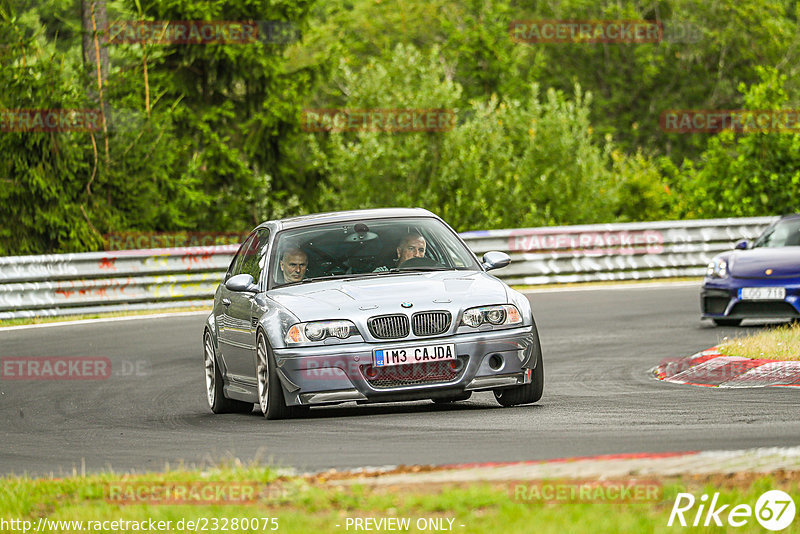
x,y
717,269
505,314
320,330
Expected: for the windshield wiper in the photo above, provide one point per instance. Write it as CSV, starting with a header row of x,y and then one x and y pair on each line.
x,y
396,270
423,269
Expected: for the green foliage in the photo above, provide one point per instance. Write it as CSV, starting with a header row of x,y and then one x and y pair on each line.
x,y
195,136
642,189
529,163
505,164
208,137
41,198
748,174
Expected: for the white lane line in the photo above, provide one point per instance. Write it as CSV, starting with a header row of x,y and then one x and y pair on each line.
x,y
104,320
648,285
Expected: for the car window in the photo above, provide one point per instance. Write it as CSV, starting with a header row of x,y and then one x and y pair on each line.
x,y
784,233
255,254
368,247
236,262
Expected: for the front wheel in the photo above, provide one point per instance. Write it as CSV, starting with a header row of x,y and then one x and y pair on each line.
x,y
270,392
727,322
527,393
215,395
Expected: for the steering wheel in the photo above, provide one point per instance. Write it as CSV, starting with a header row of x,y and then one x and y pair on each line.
x,y
412,263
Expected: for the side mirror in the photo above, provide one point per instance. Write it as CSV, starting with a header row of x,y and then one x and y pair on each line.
x,y
742,245
242,283
495,260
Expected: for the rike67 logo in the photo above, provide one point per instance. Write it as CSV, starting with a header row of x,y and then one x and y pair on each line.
x,y
774,510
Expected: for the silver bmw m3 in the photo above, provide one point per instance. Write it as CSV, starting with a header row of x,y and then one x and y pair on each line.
x,y
379,305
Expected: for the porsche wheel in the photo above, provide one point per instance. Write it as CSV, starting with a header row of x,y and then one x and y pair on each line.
x,y
215,394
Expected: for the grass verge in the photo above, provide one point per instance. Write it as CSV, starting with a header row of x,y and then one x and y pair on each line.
x,y
779,343
311,504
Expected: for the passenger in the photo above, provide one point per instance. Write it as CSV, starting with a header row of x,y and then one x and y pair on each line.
x,y
294,263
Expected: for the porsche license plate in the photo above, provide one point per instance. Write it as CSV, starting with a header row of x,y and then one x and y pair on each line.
x,y
417,354
762,293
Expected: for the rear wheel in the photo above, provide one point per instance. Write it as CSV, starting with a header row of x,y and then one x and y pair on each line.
x,y
727,322
215,395
455,398
527,393
270,392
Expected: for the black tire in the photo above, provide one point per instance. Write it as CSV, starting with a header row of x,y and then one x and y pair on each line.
x,y
455,398
215,394
270,399
727,322
527,393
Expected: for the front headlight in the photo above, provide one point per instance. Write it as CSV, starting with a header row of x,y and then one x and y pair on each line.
x,y
495,315
320,330
717,269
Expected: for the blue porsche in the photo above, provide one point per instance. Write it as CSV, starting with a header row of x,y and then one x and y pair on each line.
x,y
758,281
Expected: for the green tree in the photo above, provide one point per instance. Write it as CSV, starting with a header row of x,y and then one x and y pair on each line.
x,y
505,164
746,174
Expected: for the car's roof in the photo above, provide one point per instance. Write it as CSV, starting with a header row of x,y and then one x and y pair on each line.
x,y
336,216
791,216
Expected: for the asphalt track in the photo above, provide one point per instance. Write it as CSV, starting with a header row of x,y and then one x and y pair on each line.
x,y
598,399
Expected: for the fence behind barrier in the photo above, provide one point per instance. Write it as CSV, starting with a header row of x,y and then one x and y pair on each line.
x,y
68,284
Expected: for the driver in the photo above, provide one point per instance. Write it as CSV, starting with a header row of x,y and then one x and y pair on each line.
x,y
411,246
294,263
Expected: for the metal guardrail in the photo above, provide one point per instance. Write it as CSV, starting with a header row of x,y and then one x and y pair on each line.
x,y
624,251
68,284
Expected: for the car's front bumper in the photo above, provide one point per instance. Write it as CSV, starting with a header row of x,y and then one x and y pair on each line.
x,y
719,299
327,374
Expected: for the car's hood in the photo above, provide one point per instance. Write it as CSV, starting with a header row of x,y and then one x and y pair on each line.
x,y
377,295
753,263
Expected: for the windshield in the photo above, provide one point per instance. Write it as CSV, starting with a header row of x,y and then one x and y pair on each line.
x,y
785,233
367,248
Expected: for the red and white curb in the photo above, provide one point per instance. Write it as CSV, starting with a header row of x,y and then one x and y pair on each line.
x,y
709,368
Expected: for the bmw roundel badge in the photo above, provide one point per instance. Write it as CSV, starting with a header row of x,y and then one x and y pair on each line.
x,y
406,304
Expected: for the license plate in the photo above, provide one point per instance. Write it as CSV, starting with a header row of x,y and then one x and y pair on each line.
x,y
762,293
417,354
